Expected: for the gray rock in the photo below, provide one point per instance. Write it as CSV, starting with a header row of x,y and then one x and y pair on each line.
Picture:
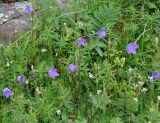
x,y
13,20
62,3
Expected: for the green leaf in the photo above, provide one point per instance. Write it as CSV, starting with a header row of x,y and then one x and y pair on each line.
x,y
106,14
99,51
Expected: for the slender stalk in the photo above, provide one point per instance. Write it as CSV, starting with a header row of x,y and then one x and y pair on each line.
x,y
79,74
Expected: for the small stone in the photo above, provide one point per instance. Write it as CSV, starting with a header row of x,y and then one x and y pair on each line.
x,y
1,15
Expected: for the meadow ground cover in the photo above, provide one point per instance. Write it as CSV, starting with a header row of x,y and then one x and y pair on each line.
x,y
94,61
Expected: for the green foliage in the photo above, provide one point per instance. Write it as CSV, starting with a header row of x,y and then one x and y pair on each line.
x,y
121,85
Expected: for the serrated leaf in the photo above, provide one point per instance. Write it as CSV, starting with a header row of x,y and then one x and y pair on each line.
x,y
106,14
99,51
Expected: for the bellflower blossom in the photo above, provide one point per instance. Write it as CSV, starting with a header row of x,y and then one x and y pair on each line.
x,y
72,68
53,73
28,9
20,79
155,75
7,92
131,48
101,33
81,41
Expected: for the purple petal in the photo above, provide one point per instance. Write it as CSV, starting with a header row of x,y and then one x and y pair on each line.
x,y
28,9
81,41
53,73
155,75
20,79
102,33
131,48
7,92
72,68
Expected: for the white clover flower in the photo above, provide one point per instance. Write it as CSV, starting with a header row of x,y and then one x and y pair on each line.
x,y
98,92
58,112
135,99
44,50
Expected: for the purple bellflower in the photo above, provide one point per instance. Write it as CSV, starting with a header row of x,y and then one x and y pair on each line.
x,y
28,9
101,33
72,68
20,79
53,73
155,75
131,48
7,92
81,41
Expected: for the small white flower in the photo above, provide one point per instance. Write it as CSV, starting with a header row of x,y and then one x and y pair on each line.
x,y
135,99
93,32
65,24
98,67
140,83
158,97
150,78
156,40
11,62
144,90
38,91
130,70
27,81
8,64
44,50
32,67
58,112
91,75
151,110
27,100
56,54
98,92
139,76
135,86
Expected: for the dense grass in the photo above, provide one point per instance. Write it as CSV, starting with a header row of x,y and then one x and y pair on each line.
x,y
121,89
